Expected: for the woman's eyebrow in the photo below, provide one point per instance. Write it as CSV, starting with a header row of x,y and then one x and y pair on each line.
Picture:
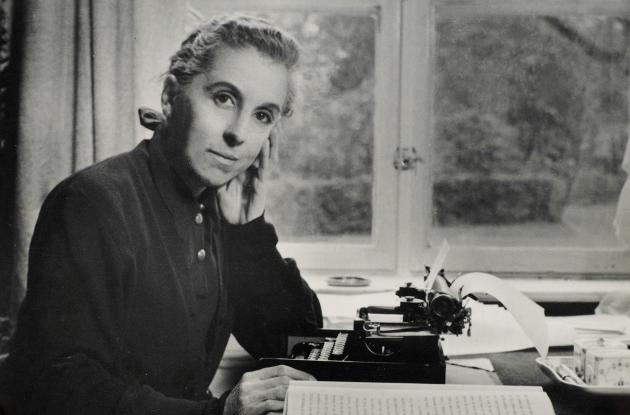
x,y
271,106
223,84
275,108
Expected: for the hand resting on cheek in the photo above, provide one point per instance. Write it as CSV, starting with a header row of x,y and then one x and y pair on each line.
x,y
243,198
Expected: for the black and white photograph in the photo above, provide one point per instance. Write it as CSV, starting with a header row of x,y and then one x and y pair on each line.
x,y
315,207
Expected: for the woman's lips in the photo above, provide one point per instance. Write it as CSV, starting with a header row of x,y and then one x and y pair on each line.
x,y
223,156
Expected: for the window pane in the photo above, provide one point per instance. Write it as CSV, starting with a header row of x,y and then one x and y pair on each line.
x,y
531,122
322,185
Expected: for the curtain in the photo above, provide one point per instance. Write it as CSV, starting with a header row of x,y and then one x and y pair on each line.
x,y
87,65
8,111
76,101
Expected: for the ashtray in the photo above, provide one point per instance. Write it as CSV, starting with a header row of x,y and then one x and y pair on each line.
x,y
348,281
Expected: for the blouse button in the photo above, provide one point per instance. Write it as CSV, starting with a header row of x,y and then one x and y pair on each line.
x,y
198,218
201,254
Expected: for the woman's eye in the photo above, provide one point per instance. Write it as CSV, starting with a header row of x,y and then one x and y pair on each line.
x,y
264,117
223,99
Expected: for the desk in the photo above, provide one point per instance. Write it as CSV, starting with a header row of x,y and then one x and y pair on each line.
x,y
512,368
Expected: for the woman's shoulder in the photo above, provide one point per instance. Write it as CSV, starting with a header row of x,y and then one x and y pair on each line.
x,y
118,173
108,181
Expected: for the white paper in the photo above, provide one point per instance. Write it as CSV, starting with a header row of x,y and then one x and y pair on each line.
x,y
438,264
493,330
529,315
354,398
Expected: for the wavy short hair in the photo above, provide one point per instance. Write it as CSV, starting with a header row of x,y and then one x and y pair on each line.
x,y
198,50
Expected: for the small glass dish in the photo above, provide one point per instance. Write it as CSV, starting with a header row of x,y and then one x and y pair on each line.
x,y
549,365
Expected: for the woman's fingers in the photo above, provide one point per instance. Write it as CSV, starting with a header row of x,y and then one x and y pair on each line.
x,y
261,408
265,153
272,406
276,393
274,141
277,371
242,199
230,200
263,391
272,388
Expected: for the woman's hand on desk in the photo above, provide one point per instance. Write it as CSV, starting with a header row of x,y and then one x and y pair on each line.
x,y
262,391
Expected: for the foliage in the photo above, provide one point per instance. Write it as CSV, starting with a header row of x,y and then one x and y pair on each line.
x,y
531,113
515,97
328,207
322,185
476,143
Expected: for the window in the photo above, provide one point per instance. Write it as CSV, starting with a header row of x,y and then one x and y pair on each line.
x,y
529,125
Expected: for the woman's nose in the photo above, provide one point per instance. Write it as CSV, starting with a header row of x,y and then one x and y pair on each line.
x,y
234,133
231,138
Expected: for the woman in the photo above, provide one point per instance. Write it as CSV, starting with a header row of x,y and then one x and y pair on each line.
x,y
142,265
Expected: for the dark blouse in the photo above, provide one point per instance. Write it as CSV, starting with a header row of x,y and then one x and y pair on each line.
x,y
133,289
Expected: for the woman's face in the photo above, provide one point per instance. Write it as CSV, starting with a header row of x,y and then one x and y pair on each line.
x,y
230,111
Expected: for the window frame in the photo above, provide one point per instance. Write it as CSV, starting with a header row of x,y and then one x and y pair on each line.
x,y
418,47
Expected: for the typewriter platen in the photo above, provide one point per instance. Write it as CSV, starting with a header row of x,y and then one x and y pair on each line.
x,y
408,350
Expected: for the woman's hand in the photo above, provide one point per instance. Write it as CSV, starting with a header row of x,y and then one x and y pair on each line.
x,y
243,198
262,391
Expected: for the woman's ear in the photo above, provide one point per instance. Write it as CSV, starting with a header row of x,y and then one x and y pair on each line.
x,y
169,91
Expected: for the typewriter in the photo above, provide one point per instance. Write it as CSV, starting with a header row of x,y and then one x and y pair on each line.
x,y
408,350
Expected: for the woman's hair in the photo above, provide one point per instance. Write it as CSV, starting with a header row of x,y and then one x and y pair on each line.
x,y
197,52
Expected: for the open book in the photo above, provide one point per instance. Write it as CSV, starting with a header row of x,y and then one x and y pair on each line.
x,y
357,398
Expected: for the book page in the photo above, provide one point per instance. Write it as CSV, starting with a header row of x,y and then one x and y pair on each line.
x,y
348,398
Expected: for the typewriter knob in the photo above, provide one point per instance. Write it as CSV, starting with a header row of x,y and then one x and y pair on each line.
x,y
443,306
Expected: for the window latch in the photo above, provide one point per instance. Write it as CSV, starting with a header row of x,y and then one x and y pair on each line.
x,y
405,158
